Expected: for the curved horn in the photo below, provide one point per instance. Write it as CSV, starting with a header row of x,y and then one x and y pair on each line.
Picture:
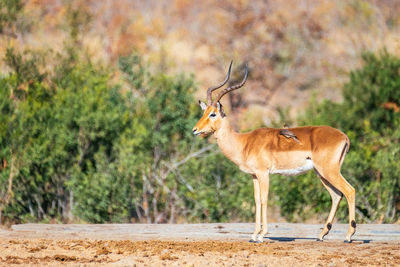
x,y
211,89
234,87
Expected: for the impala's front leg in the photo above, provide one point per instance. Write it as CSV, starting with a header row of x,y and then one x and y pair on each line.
x,y
264,188
257,199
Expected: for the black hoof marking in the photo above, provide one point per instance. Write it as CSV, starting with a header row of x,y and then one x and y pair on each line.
x,y
346,241
329,226
319,240
353,224
252,241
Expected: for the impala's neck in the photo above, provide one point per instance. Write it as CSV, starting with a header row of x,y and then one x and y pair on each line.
x,y
228,141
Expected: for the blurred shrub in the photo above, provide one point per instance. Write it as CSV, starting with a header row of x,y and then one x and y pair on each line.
x,y
83,150
9,10
75,145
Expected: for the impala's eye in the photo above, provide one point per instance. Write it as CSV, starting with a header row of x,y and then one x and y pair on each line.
x,y
212,115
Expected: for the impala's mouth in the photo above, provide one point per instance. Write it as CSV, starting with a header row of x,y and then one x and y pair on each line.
x,y
200,133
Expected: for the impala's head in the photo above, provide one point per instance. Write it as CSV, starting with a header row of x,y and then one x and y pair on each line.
x,y
213,111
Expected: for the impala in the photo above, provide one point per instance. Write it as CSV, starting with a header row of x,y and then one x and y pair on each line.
x,y
287,151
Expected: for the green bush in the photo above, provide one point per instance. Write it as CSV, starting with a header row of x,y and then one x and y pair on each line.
x,y
92,151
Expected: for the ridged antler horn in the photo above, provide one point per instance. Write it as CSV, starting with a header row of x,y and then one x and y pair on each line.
x,y
211,89
232,88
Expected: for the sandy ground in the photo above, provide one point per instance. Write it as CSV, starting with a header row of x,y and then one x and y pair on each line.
x,y
44,252
26,247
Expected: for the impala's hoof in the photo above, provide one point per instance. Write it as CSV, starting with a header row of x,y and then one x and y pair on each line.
x,y
348,241
319,240
255,241
260,239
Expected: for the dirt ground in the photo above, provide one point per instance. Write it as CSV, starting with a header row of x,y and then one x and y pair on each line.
x,y
195,245
87,252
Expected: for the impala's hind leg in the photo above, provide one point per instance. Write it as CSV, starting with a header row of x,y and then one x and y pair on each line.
x,y
335,178
350,194
336,196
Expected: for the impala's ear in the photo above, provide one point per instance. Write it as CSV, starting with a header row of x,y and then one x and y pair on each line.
x,y
220,109
202,105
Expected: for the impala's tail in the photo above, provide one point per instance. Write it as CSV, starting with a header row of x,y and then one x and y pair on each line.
x,y
345,150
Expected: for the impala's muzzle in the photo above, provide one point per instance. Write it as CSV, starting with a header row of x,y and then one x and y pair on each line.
x,y
195,132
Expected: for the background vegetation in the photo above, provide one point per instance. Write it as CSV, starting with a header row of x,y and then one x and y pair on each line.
x,y
88,138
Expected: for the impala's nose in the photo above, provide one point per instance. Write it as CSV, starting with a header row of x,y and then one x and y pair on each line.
x,y
194,130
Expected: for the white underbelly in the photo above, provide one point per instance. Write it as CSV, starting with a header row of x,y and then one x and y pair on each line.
x,y
296,171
